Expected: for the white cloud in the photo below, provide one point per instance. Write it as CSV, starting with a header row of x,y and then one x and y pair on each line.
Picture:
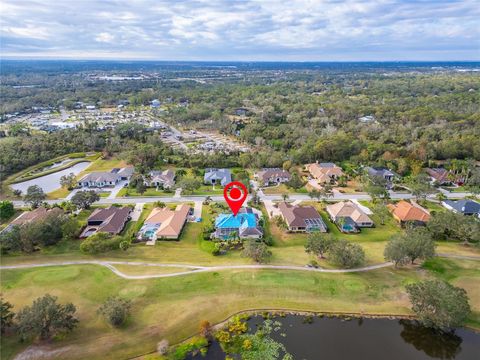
x,y
104,37
243,30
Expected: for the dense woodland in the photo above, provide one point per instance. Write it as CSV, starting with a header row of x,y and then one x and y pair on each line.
x,y
301,115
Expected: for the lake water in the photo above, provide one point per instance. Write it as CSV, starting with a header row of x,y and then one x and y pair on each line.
x,y
335,339
52,181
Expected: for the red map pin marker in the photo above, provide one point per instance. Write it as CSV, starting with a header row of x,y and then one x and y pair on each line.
x,y
235,194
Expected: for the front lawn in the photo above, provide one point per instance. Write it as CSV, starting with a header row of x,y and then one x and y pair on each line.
x,y
206,190
283,189
60,193
128,192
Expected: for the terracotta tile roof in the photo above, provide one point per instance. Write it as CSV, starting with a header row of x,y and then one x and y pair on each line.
x,y
171,221
405,211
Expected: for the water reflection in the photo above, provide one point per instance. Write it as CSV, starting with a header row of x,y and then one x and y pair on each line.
x,y
50,182
433,343
372,339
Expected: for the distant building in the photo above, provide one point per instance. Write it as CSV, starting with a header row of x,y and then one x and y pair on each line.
x,y
465,207
100,179
348,216
269,176
245,224
111,220
90,107
217,176
325,173
164,223
405,212
302,218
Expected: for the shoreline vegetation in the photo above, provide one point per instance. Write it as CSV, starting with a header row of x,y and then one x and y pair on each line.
x,y
267,313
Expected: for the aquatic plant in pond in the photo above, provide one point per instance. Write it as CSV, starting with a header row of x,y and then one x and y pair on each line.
x,y
235,340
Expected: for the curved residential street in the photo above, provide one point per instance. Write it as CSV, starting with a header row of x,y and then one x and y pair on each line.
x,y
198,268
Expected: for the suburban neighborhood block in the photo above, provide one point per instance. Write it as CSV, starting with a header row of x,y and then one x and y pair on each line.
x,y
325,173
348,216
301,218
217,176
245,225
111,220
161,179
164,223
272,176
406,212
100,179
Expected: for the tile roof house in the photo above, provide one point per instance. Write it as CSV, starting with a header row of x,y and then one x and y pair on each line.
x,y
405,212
302,218
325,172
164,179
465,207
104,178
348,216
270,176
217,176
245,224
164,223
111,220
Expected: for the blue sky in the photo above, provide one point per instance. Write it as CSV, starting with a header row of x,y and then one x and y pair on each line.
x,y
286,30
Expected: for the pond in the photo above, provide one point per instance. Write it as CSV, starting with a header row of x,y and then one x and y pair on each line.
x,y
334,338
52,181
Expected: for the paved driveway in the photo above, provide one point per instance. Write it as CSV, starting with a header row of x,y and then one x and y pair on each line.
x,y
116,189
271,210
197,209
137,211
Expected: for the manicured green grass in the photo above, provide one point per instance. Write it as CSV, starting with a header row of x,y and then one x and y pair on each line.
x,y
431,206
106,164
283,189
172,308
59,193
206,190
148,192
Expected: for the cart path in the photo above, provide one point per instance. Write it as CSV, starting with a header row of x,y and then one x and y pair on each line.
x,y
197,268
192,268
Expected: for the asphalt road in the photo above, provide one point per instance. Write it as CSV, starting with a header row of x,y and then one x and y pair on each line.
x,y
293,197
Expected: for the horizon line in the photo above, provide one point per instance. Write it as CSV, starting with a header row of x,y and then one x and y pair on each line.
x,y
228,61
